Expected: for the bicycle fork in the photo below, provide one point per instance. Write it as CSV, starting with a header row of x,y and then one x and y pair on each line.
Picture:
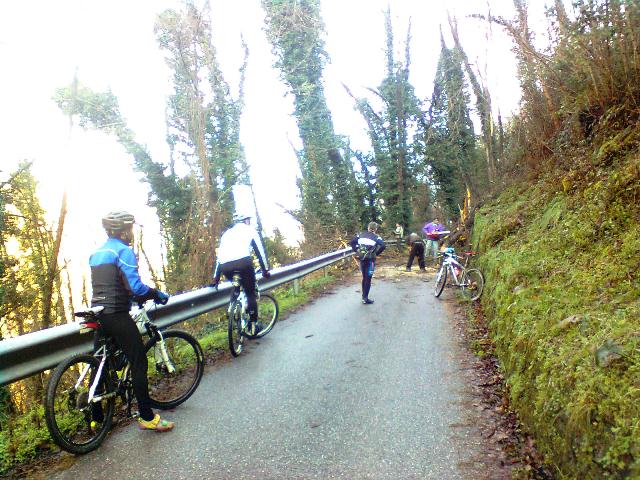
x,y
161,356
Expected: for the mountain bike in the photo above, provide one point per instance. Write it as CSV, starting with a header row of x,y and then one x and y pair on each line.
x,y
470,281
239,326
82,390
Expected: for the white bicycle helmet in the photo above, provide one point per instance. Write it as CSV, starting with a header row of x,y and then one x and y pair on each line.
x,y
117,221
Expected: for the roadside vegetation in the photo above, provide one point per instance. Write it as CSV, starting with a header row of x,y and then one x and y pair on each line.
x,y
563,298
554,192
561,247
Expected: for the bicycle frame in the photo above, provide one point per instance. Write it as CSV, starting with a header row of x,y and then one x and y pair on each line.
x,y
142,318
160,356
454,266
103,353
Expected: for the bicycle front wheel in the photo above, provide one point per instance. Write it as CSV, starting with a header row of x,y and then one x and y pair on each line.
x,y
234,329
472,284
267,315
441,280
75,424
175,366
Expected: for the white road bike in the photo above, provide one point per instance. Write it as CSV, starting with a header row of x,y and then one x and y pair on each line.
x,y
469,281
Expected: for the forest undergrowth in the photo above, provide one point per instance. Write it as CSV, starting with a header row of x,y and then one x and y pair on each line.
x,y
562,301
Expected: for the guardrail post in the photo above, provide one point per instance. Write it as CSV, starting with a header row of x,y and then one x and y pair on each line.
x,y
296,286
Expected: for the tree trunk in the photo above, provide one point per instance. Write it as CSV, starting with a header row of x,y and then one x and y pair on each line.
x,y
52,269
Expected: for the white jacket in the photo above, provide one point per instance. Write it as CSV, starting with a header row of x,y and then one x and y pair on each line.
x,y
238,242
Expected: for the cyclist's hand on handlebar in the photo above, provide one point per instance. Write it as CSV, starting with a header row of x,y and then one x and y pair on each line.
x,y
266,274
160,297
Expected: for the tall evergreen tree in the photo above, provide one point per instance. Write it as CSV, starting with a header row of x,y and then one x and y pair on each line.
x,y
295,30
390,131
204,130
483,108
203,135
449,141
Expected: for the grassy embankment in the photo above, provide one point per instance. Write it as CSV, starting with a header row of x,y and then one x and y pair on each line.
x,y
561,260
25,437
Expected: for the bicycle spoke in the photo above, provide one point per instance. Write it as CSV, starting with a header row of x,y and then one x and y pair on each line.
x,y
472,284
235,330
267,315
174,368
77,424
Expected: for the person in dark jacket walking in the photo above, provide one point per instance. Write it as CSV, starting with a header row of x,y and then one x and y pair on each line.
x,y
367,246
417,250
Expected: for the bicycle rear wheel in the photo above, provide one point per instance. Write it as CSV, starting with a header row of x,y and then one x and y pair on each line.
x,y
174,370
472,284
441,280
234,328
267,315
74,424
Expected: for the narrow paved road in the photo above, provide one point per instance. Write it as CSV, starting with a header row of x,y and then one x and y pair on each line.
x,y
338,390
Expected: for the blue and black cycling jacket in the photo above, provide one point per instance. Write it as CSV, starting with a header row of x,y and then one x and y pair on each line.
x,y
369,240
115,279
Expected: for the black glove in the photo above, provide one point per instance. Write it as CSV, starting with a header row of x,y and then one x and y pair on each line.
x,y
160,297
266,274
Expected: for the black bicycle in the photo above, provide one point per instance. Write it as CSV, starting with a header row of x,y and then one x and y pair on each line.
x,y
238,325
82,390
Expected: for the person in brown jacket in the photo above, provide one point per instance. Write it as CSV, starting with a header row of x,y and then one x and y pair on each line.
x,y
417,250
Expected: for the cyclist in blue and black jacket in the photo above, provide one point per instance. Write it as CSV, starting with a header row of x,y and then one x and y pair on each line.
x,y
116,283
367,246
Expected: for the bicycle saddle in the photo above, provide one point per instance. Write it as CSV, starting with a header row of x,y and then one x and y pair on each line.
x,y
91,315
92,312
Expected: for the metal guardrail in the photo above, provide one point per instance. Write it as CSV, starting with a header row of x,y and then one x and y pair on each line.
x,y
26,355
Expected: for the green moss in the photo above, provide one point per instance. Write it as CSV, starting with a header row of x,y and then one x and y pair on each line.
x,y
572,256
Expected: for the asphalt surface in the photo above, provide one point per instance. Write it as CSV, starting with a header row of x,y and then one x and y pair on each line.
x,y
337,390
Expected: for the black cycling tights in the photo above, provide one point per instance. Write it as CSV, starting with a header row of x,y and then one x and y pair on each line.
x,y
244,267
367,267
124,331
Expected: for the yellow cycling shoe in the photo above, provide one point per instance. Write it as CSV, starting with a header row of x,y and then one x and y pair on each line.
x,y
156,424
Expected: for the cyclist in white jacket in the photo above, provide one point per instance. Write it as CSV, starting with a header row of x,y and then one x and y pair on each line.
x,y
234,255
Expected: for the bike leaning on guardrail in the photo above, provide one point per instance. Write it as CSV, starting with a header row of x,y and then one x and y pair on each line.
x,y
82,390
470,281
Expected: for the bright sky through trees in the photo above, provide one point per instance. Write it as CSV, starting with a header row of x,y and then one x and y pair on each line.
x,y
112,45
